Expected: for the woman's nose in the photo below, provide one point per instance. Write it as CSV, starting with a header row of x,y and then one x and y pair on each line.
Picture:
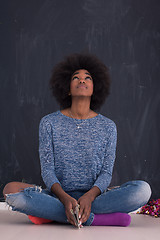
x,y
81,80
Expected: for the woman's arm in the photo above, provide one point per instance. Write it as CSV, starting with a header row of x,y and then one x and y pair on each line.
x,y
85,203
68,202
46,153
48,170
105,176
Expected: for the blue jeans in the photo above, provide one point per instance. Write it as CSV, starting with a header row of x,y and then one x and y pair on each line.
x,y
42,203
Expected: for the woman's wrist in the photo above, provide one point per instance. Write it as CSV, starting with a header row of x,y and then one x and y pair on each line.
x,y
64,198
93,193
59,192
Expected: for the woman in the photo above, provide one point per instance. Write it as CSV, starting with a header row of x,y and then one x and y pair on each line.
x,y
77,148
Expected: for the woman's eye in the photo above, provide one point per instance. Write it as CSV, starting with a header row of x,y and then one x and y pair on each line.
x,y
74,78
89,78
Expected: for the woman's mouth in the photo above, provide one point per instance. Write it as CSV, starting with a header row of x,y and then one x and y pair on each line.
x,y
81,86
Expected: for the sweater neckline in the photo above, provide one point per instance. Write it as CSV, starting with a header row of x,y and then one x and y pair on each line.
x,y
77,118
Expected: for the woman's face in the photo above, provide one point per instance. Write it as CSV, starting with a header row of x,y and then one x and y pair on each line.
x,y
81,83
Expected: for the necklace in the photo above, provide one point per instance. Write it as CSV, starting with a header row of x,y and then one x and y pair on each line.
x,y
78,124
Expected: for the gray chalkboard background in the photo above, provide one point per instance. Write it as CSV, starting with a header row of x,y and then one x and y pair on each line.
x,y
125,35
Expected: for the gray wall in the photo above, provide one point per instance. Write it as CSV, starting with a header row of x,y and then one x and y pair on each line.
x,y
124,34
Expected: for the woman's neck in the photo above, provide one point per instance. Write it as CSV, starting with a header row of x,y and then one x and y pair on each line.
x,y
80,113
80,109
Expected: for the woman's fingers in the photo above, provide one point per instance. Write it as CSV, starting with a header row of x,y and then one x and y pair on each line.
x,y
70,220
69,208
81,212
85,215
70,217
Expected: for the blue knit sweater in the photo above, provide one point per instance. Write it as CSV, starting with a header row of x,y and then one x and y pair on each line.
x,y
77,158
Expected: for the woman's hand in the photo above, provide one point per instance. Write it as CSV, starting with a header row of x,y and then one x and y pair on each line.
x,y
85,203
70,203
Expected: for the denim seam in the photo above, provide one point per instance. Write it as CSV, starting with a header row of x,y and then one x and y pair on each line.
x,y
89,221
92,218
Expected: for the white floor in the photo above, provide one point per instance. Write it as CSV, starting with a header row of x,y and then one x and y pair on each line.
x,y
17,226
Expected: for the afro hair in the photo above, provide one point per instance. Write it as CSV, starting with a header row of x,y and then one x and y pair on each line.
x,y
62,73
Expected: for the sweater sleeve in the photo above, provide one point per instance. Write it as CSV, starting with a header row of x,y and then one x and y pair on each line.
x,y
105,176
46,154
